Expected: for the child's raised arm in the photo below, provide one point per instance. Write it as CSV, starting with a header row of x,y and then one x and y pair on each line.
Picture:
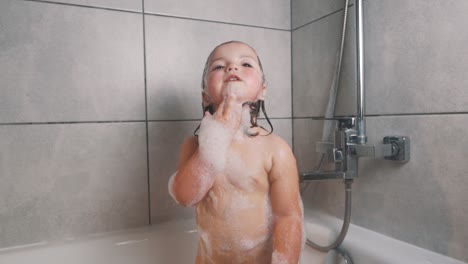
x,y
202,158
286,206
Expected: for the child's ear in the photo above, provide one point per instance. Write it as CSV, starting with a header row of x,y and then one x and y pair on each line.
x,y
262,93
205,99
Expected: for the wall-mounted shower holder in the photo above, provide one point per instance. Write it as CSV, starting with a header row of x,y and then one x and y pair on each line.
x,y
345,152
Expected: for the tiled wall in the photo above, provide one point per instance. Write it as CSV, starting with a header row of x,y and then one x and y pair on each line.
x,y
97,96
96,99
416,85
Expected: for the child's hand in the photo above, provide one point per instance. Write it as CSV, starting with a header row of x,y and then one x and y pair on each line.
x,y
229,112
218,130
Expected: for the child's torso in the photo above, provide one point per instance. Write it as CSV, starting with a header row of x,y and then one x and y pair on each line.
x,y
235,218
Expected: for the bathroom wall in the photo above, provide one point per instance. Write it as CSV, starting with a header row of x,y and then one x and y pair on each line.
x,y
416,85
97,96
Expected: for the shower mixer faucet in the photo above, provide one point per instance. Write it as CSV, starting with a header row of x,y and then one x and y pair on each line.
x,y
345,152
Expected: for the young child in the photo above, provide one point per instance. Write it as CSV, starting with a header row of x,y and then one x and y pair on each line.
x,y
242,180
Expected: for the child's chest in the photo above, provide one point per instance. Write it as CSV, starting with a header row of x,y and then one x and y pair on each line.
x,y
247,168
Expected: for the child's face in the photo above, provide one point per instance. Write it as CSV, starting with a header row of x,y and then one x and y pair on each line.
x,y
233,70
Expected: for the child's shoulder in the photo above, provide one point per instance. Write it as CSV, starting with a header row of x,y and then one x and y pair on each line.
x,y
277,143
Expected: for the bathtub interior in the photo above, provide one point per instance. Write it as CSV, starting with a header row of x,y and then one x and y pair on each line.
x,y
176,242
171,242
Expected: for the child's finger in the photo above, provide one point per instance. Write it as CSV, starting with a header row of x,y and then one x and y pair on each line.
x,y
221,106
228,102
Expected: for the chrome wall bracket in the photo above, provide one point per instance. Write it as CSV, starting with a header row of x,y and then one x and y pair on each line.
x,y
400,148
345,152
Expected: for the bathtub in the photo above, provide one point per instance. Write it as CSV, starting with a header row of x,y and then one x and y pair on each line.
x,y
175,242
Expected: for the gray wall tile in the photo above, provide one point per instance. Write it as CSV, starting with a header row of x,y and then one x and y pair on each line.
x,y
265,13
419,202
428,192
281,127
165,141
62,63
174,72
306,133
132,5
314,55
69,180
414,56
305,11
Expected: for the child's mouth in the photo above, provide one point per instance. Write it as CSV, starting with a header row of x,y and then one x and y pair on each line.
x,y
232,78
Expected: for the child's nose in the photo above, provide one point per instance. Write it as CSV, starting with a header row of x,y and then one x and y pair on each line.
x,y
231,68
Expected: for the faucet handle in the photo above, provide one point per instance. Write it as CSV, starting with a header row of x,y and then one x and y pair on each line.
x,y
346,123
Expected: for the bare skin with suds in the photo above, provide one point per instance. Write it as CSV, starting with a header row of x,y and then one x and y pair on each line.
x,y
245,189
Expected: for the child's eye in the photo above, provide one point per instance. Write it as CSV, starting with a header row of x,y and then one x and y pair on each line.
x,y
219,67
247,65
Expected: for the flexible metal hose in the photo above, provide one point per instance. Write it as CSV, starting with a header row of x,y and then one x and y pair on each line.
x,y
326,134
344,228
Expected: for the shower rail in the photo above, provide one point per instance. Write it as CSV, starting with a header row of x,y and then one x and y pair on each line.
x,y
350,140
361,106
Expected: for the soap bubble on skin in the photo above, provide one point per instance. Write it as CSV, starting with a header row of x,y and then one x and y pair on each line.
x,y
170,186
205,180
242,202
206,242
236,173
248,244
303,238
244,126
214,140
234,89
213,198
279,258
205,247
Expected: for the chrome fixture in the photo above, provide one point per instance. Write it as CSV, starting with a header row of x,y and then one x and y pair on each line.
x,y
346,150
360,92
350,139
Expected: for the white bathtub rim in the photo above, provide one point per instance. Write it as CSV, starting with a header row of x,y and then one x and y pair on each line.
x,y
366,246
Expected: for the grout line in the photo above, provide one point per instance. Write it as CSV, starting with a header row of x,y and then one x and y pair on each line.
x,y
320,18
292,67
86,6
417,114
191,120
156,14
388,115
70,122
217,22
146,112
